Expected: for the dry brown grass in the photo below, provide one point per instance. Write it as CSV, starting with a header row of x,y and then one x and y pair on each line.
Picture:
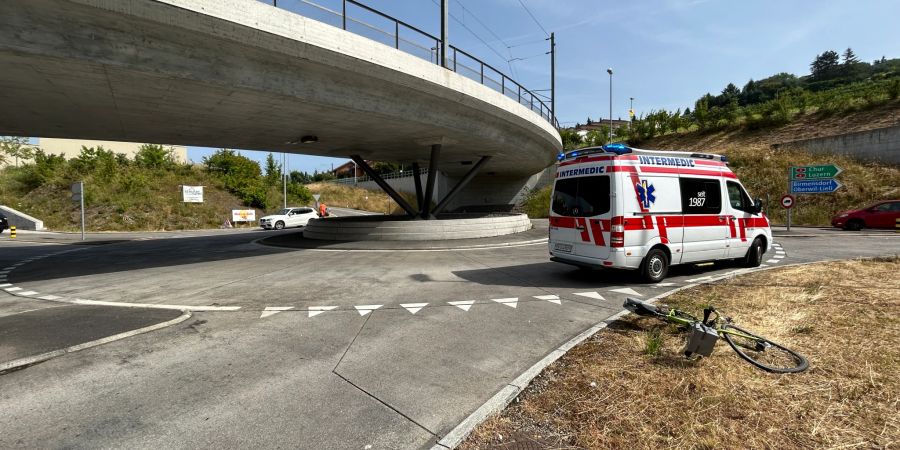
x,y
344,196
608,393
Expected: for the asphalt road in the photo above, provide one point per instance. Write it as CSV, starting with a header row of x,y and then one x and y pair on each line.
x,y
310,348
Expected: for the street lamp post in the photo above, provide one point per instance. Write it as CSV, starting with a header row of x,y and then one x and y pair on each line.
x,y
610,72
630,112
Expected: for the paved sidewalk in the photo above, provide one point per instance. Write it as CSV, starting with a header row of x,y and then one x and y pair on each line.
x,y
40,331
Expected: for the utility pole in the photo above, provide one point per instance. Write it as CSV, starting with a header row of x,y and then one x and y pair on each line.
x,y
445,15
553,75
284,178
610,72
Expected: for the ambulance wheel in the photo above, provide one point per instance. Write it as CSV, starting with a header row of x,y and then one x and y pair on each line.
x,y
655,266
754,254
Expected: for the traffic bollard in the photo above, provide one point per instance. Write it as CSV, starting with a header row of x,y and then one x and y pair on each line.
x,y
12,232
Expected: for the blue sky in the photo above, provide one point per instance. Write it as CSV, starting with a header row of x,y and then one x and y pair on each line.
x,y
664,53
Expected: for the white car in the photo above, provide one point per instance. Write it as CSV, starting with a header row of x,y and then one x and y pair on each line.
x,y
288,217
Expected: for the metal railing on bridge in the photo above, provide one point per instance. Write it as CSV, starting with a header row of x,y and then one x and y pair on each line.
x,y
409,39
387,176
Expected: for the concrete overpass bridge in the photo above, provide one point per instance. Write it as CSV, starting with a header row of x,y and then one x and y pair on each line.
x,y
245,74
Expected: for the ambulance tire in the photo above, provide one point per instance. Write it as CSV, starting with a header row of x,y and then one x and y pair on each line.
x,y
655,266
754,254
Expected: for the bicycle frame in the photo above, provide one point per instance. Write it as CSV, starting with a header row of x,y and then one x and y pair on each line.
x,y
672,317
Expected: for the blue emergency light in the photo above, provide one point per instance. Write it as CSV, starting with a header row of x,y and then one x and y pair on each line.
x,y
617,148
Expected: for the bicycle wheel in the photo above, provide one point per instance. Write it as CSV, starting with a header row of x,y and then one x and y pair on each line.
x,y
764,353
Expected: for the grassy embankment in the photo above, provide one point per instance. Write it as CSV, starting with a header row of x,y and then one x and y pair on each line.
x,y
629,387
763,170
346,196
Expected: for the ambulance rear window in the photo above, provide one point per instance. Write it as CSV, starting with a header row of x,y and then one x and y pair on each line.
x,y
581,196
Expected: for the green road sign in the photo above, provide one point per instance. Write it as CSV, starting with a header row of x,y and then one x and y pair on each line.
x,y
814,172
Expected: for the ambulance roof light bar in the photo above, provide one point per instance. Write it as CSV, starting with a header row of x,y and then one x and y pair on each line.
x,y
617,148
722,158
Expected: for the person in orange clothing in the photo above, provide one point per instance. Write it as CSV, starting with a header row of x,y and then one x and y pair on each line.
x,y
323,210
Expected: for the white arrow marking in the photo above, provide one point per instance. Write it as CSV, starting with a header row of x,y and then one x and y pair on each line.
x,y
272,310
365,309
549,298
316,310
413,307
626,291
511,302
463,305
593,295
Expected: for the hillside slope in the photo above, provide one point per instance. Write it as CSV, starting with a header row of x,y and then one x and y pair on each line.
x,y
763,170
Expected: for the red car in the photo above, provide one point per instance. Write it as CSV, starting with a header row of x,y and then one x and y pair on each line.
x,y
879,215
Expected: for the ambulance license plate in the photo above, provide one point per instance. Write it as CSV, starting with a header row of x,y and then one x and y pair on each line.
x,y
560,247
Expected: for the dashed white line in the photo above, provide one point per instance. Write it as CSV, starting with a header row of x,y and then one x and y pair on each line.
x,y
28,293
549,298
414,307
463,305
365,309
773,261
626,291
272,310
316,310
12,289
511,302
593,295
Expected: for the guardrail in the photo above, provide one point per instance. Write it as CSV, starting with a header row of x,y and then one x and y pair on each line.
x,y
416,42
389,176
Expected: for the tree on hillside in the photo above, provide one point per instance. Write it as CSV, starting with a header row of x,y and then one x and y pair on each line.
x,y
273,170
155,156
570,139
824,64
240,174
850,57
17,148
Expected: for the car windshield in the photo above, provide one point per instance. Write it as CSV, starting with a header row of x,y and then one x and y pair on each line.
x,y
284,212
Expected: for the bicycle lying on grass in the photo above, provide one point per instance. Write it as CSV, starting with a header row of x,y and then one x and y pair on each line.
x,y
755,349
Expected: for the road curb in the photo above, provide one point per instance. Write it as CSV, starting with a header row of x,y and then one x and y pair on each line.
x,y
429,249
21,363
508,393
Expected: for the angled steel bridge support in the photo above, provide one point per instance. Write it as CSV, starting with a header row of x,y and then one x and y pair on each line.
x,y
462,183
384,186
418,182
429,184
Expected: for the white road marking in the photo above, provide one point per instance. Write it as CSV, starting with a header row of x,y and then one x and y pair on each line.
x,y
13,289
659,285
779,257
763,265
414,307
694,280
511,302
549,298
81,301
316,310
779,252
28,293
365,309
49,297
463,305
626,291
272,310
773,261
593,295
5,285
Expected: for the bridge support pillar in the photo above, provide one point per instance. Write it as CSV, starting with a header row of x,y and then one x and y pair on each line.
x,y
384,186
429,184
461,184
418,183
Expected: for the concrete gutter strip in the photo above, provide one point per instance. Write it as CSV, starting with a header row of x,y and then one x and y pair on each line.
x,y
27,361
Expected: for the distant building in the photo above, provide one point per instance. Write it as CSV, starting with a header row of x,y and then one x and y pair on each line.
x,y
597,125
71,148
347,169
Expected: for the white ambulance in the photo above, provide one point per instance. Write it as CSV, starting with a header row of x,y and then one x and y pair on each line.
x,y
618,207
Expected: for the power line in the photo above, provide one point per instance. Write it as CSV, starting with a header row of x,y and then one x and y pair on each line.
x,y
533,18
474,34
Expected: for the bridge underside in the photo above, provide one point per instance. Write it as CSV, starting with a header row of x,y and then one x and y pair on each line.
x,y
155,71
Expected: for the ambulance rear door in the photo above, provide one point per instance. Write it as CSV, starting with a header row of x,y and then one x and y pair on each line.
x,y
582,211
